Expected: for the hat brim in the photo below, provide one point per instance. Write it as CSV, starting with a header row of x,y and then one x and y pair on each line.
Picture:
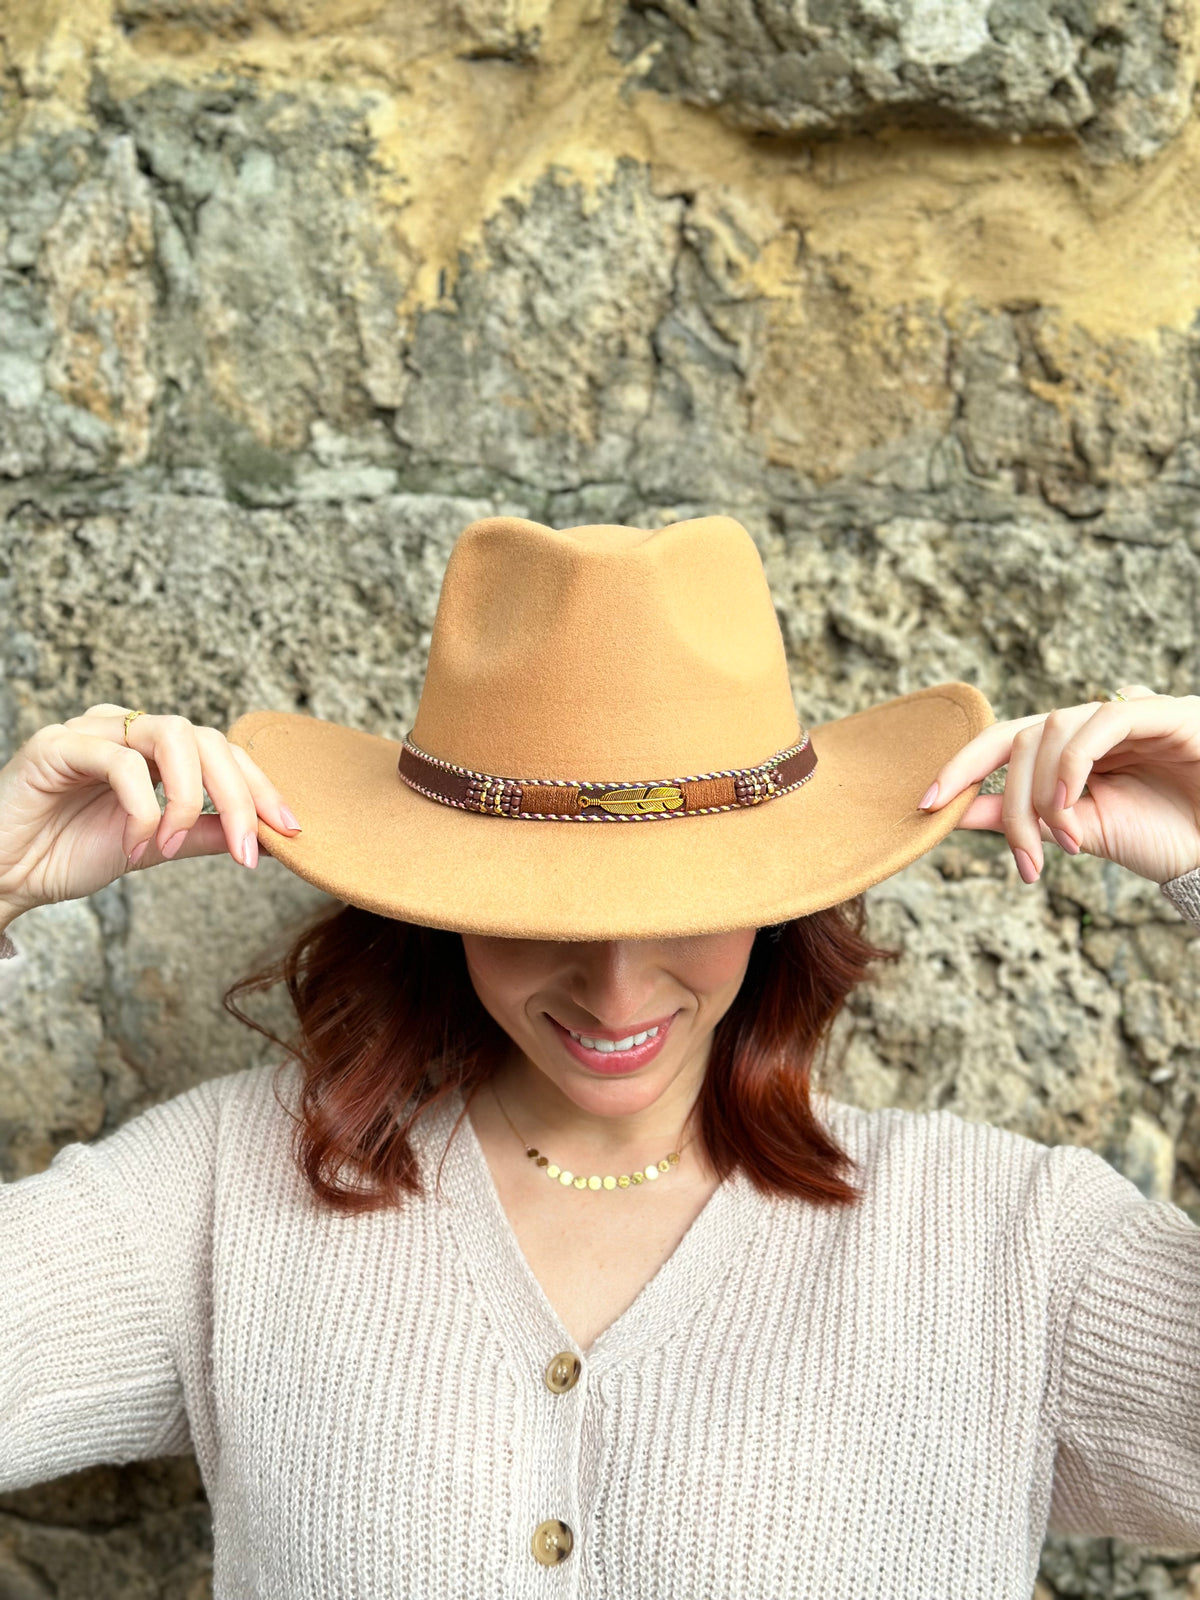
x,y
370,840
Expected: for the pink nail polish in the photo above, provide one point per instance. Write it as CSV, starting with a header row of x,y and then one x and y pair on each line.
x,y
1065,841
1025,865
1060,796
138,851
173,843
250,850
928,797
288,819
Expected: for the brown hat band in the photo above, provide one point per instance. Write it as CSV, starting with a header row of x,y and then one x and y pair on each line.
x,y
642,800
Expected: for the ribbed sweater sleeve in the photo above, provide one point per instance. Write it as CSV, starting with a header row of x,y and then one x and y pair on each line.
x,y
98,1258
1184,894
1127,1463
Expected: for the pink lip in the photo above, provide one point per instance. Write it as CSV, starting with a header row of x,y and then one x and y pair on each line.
x,y
615,1062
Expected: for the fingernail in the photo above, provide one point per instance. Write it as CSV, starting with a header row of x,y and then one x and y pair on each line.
x,y
1025,865
173,843
1059,802
138,851
288,819
928,797
1065,840
250,850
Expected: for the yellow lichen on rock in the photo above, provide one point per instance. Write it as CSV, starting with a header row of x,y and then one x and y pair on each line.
x,y
472,102
49,51
96,263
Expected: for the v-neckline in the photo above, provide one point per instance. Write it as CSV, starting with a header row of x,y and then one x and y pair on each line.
x,y
717,1241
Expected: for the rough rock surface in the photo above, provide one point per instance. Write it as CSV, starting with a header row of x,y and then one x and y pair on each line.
x,y
1118,77
141,1532
239,435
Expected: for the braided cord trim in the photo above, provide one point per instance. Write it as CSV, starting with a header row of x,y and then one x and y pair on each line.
x,y
496,796
616,783
593,816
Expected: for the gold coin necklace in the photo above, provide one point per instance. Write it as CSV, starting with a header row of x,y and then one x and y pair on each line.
x,y
627,1180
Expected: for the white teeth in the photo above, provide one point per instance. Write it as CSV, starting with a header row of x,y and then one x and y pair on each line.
x,y
607,1045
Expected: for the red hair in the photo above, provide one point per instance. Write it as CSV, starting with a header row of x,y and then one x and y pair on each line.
x,y
390,1024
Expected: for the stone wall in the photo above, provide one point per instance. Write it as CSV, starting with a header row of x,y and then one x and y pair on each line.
x,y
291,291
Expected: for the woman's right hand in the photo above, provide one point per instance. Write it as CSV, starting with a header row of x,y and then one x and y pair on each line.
x,y
78,807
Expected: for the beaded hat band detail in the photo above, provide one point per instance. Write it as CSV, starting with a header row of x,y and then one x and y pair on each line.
x,y
619,800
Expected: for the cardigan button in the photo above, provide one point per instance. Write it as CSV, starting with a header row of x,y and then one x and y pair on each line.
x,y
562,1371
552,1542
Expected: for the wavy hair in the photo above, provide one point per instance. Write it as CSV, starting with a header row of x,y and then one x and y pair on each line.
x,y
389,1025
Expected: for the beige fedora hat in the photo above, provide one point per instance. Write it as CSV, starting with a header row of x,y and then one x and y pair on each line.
x,y
607,746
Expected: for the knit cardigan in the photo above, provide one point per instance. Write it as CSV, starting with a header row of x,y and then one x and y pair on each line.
x,y
892,1399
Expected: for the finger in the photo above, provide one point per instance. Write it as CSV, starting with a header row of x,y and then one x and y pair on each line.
x,y
267,798
83,755
990,749
1020,820
183,755
206,837
169,743
983,755
105,711
1049,790
1126,732
107,721
231,794
985,812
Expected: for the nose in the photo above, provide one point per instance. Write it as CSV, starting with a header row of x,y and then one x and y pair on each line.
x,y
618,983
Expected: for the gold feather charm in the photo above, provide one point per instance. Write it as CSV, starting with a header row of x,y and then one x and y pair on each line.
x,y
630,802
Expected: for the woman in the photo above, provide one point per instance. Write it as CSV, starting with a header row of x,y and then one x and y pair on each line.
x,y
535,1272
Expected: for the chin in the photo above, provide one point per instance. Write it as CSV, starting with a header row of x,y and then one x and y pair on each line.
x,y
614,1097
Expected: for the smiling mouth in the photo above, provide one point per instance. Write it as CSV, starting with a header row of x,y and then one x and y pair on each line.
x,y
608,1045
638,1043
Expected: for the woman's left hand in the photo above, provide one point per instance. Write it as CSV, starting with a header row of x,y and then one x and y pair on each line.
x,y
1139,759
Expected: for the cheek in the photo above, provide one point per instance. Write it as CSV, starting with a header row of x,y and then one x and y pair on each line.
x,y
503,976
718,964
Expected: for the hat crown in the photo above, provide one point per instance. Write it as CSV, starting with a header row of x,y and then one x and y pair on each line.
x,y
603,652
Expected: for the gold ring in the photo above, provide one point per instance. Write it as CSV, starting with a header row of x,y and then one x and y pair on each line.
x,y
128,719
1117,695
